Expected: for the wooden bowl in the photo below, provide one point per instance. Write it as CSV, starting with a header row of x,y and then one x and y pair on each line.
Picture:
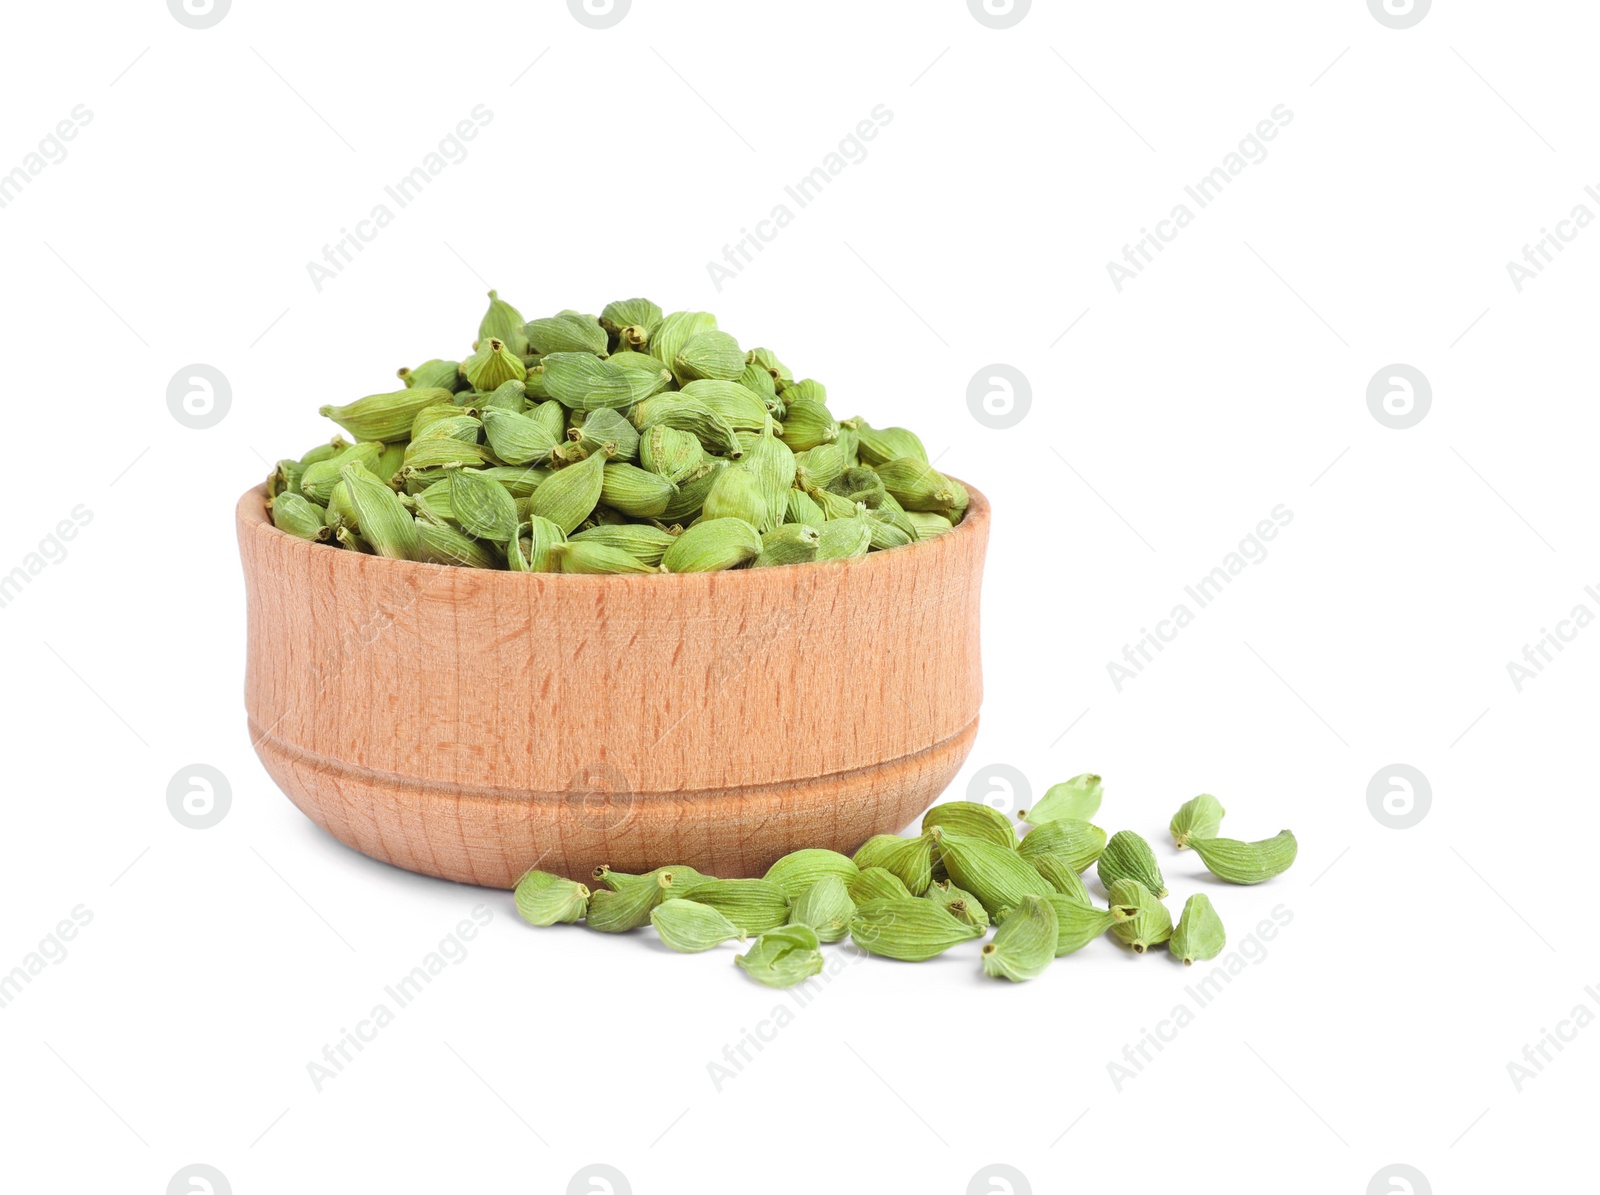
x,y
472,724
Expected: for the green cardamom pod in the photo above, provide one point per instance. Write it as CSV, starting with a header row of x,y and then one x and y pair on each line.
x,y
545,899
755,906
435,374
584,383
485,509
384,417
1129,857
637,315
807,423
569,494
690,927
300,517
714,432
1061,876
799,870
1075,844
1077,799
737,494
975,820
710,546
825,908
819,467
739,405
517,439
493,363
908,859
958,902
808,389
635,491
841,539
1147,922
617,910
1078,924
684,878
791,543
928,525
673,454
458,426
916,485
1025,943
384,522
783,957
540,544
877,883
879,446
437,452
439,543
441,412
318,478
566,332
768,360
519,481
602,427
1198,817
858,486
672,332
643,542
1199,934
908,928
773,463
714,355
596,560
503,322
997,876
753,377
803,508
1247,862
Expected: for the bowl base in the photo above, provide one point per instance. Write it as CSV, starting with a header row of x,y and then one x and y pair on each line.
x,y
490,837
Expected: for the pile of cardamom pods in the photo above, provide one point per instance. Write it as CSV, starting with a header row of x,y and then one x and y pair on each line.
x,y
914,898
634,442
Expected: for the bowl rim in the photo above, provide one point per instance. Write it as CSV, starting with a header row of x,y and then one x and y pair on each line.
x,y
251,514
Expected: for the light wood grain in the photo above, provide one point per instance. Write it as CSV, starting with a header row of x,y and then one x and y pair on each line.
x,y
472,724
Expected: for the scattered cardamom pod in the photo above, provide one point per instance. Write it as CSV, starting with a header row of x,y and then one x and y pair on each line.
x,y
783,957
908,928
958,902
910,860
1025,943
755,906
876,883
825,907
975,820
1129,857
1077,799
545,899
1247,862
1146,921
1198,817
1079,923
690,927
997,876
1199,934
798,871
1076,845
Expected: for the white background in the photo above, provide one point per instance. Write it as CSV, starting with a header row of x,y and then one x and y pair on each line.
x,y
1228,378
